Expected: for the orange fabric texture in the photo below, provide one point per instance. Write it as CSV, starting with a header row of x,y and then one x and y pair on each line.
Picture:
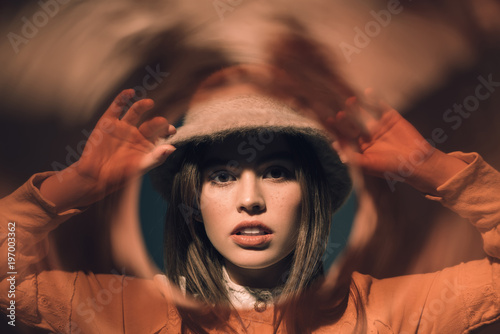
x,y
455,300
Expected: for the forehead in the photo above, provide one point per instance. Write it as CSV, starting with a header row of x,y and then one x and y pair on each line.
x,y
247,149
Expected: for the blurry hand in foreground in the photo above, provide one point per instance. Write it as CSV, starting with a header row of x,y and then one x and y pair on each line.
x,y
376,138
118,150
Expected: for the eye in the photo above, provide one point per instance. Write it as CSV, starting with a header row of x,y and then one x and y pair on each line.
x,y
221,176
277,173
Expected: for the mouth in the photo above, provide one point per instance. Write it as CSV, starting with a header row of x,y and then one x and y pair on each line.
x,y
251,234
251,228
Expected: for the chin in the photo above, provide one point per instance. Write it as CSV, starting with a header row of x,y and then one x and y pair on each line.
x,y
254,261
253,265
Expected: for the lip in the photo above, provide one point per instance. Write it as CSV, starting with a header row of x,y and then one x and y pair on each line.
x,y
251,241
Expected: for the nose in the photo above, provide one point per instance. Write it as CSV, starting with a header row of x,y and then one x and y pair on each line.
x,y
250,195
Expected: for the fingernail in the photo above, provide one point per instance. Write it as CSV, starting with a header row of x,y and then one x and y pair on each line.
x,y
351,101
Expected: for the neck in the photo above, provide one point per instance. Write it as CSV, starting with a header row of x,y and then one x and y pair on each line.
x,y
263,278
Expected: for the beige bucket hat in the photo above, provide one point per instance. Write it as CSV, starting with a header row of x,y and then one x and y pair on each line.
x,y
260,115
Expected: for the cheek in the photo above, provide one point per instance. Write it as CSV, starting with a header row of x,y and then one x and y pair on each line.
x,y
214,206
294,206
292,201
288,211
287,207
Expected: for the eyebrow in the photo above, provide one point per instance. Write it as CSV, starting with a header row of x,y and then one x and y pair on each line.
x,y
279,155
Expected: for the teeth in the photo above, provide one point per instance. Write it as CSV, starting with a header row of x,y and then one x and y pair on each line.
x,y
251,231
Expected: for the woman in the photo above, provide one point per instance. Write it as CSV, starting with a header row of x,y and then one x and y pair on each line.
x,y
252,187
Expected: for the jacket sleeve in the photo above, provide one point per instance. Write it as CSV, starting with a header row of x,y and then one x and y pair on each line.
x,y
474,194
59,301
26,219
458,299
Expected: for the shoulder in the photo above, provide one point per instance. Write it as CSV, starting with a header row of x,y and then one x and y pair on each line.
x,y
462,297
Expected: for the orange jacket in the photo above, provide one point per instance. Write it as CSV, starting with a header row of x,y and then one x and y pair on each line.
x,y
454,300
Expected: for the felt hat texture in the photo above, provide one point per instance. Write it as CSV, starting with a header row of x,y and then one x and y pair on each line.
x,y
213,121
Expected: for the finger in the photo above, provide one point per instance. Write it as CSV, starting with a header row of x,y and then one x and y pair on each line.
x,y
375,104
385,117
367,116
346,126
156,127
357,114
121,100
171,130
347,150
353,158
340,152
156,157
133,115
330,126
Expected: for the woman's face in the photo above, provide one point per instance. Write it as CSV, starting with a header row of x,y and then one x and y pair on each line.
x,y
250,201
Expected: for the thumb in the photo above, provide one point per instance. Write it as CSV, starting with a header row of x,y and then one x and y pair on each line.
x,y
156,157
348,154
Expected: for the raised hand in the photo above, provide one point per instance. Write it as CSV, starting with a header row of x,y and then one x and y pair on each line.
x,y
122,149
376,138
